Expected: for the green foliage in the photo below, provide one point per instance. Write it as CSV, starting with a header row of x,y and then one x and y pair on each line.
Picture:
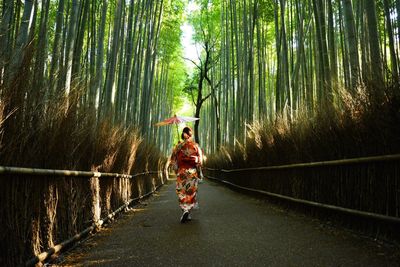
x,y
190,87
170,36
176,79
170,50
266,10
206,20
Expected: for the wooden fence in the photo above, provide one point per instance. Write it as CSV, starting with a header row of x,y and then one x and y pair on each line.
x,y
367,187
43,211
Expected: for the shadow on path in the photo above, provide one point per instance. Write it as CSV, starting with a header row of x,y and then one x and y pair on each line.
x,y
229,229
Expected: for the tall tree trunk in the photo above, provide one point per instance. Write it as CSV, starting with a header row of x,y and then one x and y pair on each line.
x,y
128,58
203,76
138,59
238,79
132,96
231,70
100,53
81,29
119,90
285,61
70,45
331,43
278,94
92,59
325,93
352,44
375,53
393,58
57,45
398,23
251,62
111,70
344,53
38,80
21,42
5,36
262,107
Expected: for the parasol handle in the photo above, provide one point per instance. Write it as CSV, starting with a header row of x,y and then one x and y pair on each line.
x,y
177,131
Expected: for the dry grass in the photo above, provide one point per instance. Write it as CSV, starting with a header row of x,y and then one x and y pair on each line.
x,y
59,133
358,127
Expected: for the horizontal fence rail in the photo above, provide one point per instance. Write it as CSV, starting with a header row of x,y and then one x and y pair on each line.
x,y
67,173
367,187
316,164
38,214
315,204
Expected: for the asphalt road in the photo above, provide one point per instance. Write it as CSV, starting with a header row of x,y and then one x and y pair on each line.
x,y
229,229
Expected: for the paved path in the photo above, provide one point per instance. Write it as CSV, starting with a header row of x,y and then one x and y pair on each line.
x,y
229,229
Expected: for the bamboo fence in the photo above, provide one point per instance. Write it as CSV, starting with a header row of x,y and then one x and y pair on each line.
x,y
365,188
44,211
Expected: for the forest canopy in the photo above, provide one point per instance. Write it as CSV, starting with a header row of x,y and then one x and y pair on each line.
x,y
258,60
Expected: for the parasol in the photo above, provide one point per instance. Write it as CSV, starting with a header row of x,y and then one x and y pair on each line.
x,y
176,120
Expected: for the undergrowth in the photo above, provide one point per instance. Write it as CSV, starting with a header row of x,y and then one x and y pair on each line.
x,y
358,126
59,134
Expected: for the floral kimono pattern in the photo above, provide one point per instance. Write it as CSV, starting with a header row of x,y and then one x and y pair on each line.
x,y
186,156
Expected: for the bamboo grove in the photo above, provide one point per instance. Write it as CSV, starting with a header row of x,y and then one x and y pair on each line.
x,y
118,58
82,83
285,58
260,60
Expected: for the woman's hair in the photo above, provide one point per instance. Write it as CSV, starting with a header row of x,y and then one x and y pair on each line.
x,y
186,130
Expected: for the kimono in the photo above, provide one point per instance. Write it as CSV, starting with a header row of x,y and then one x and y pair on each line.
x,y
186,156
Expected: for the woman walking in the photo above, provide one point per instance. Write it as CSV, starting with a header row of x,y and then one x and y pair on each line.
x,y
186,158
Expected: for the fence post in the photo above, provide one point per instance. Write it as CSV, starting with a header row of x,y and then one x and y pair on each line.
x,y
95,188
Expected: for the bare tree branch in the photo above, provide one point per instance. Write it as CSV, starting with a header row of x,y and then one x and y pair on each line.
x,y
192,94
205,98
188,59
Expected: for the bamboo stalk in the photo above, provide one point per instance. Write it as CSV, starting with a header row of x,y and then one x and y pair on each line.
x,y
316,164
